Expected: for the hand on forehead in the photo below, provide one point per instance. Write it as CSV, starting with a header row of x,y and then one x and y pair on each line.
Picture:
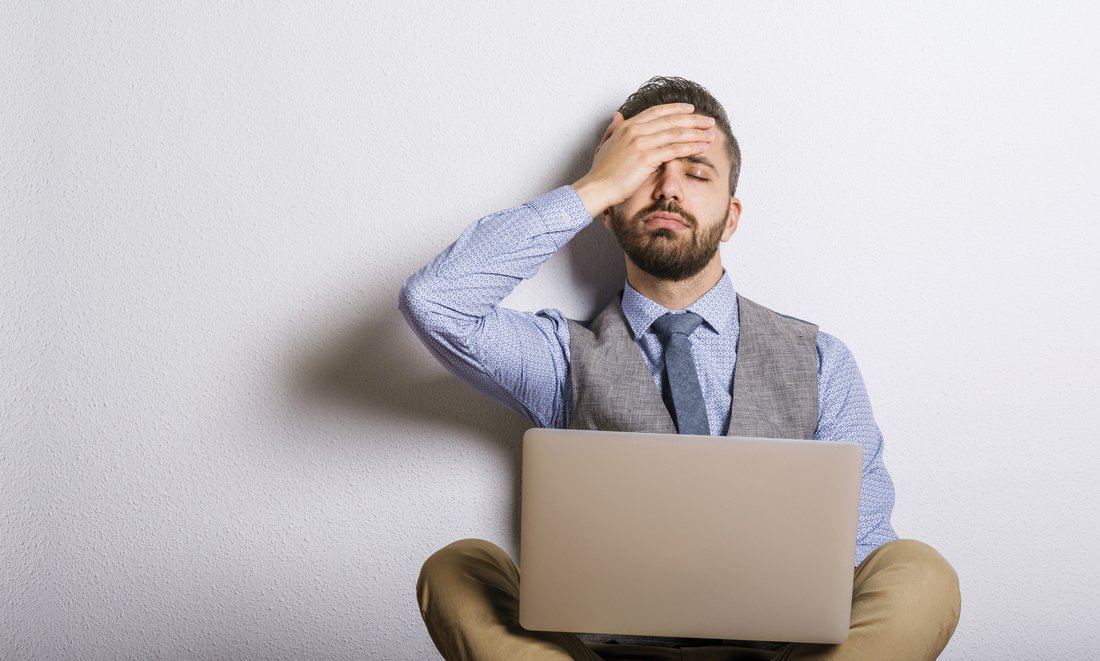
x,y
631,150
659,117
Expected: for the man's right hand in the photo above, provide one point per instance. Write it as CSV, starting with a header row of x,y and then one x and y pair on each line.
x,y
632,149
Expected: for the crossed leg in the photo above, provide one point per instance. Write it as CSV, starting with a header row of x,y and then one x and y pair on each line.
x,y
905,605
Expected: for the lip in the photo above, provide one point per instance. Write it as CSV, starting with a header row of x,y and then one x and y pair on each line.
x,y
665,220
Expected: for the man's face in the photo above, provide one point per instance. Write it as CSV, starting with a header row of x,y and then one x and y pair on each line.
x,y
672,226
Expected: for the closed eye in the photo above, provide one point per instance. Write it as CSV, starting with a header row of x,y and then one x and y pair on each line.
x,y
698,166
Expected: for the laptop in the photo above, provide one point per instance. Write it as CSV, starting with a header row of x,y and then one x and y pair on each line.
x,y
638,534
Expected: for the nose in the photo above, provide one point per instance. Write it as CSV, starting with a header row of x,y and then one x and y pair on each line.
x,y
668,185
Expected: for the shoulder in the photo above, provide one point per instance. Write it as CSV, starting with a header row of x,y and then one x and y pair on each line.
x,y
757,316
836,363
831,345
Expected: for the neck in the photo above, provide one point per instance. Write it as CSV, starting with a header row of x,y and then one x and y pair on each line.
x,y
675,294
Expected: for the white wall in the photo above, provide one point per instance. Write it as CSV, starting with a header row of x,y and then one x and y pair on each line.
x,y
221,441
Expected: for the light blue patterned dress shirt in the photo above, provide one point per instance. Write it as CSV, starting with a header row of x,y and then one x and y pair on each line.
x,y
521,359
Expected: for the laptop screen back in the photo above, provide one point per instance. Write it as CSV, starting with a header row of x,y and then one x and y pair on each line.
x,y
688,536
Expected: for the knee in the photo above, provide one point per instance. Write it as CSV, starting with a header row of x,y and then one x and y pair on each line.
x,y
453,558
923,578
456,564
455,554
931,569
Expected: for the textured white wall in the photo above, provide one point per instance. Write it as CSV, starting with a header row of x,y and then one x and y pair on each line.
x,y
220,440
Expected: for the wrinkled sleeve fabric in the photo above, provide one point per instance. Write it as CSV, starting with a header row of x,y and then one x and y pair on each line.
x,y
845,415
520,359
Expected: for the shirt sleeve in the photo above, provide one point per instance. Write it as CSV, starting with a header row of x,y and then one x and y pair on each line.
x,y
845,415
520,359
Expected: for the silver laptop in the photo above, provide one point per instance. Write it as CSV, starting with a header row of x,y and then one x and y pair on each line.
x,y
688,536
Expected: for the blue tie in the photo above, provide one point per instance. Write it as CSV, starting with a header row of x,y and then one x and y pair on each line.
x,y
682,394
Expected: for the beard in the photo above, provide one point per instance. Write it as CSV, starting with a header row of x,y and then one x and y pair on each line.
x,y
661,252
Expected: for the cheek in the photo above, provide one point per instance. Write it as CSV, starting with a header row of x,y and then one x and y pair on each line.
x,y
628,208
640,198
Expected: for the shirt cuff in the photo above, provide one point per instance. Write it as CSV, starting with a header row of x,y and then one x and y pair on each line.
x,y
561,210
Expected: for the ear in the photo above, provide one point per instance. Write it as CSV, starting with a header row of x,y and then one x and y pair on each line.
x,y
732,218
606,218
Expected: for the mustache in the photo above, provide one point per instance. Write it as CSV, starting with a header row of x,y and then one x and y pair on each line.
x,y
668,205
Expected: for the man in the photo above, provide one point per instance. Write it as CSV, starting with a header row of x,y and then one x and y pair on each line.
x,y
663,180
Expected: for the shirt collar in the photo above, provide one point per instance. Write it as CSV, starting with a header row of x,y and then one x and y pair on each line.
x,y
717,307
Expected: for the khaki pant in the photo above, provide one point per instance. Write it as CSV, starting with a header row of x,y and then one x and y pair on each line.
x,y
905,605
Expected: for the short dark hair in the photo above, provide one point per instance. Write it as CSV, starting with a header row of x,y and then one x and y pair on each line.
x,y
659,90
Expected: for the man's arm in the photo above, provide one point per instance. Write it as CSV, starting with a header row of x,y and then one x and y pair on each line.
x,y
519,359
845,415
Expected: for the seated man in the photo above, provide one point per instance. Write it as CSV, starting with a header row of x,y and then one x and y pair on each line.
x,y
663,180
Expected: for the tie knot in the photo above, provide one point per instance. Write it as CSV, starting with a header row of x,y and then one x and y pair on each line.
x,y
670,324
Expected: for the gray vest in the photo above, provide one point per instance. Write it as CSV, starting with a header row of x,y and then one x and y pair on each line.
x,y
775,391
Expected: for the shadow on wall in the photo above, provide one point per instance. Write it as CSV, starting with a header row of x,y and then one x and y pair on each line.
x,y
367,368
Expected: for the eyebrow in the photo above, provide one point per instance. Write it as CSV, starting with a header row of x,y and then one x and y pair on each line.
x,y
700,160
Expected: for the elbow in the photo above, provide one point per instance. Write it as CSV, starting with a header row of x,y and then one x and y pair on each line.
x,y
429,306
424,306
431,318
413,301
